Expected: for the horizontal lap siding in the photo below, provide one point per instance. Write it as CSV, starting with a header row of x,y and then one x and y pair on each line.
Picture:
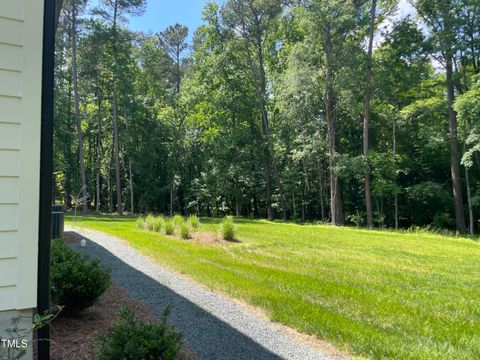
x,y
12,9
21,26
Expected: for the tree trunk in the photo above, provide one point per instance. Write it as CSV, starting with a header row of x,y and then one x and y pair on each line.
x,y
394,135
454,160
116,145
130,176
335,191
81,150
366,121
320,189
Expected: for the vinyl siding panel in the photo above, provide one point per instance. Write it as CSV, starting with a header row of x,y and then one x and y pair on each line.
x,y
8,244
8,297
9,190
9,216
12,9
9,137
11,31
6,277
11,83
10,109
21,27
11,58
10,163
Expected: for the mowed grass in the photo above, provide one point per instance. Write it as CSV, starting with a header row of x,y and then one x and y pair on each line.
x,y
372,293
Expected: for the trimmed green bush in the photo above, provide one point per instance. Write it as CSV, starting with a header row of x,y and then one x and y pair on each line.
x,y
228,229
130,338
178,220
169,227
193,221
185,231
76,280
149,220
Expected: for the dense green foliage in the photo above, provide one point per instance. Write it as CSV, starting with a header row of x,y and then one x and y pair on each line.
x,y
380,294
131,339
261,116
76,281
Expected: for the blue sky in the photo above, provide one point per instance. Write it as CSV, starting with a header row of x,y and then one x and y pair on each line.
x,y
162,13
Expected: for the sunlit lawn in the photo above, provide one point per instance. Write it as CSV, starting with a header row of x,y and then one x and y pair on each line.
x,y
372,293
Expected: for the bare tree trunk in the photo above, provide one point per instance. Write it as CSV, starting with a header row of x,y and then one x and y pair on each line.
x,y
335,191
130,175
394,156
321,189
116,145
366,121
81,150
454,160
172,189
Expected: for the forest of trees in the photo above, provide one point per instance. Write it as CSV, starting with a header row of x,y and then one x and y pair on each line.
x,y
331,110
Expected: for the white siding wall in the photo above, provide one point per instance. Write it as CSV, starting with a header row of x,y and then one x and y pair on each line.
x,y
21,26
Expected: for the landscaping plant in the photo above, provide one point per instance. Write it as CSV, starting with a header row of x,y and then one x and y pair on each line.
x,y
178,220
193,221
76,280
227,229
185,231
169,227
131,338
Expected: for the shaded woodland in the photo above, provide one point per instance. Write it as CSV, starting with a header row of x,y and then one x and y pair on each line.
x,y
335,111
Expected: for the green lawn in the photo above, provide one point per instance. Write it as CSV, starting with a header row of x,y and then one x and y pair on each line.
x,y
372,293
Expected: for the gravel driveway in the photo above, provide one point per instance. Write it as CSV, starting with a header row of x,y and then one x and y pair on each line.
x,y
214,327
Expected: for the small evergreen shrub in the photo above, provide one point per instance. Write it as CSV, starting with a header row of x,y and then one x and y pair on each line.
x,y
158,224
185,231
149,220
130,338
76,280
178,220
228,229
193,221
141,225
169,227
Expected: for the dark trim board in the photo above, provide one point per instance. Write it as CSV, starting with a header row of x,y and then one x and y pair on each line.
x,y
46,173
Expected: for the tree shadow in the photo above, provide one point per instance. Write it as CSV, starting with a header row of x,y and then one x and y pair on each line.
x,y
208,337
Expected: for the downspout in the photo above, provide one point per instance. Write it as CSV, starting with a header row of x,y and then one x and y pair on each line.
x,y
46,171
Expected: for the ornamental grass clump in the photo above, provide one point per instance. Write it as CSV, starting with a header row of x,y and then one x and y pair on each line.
x,y
178,220
141,224
193,221
185,231
228,229
158,224
169,227
149,220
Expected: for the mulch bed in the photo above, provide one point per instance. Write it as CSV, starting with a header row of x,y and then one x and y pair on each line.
x,y
75,338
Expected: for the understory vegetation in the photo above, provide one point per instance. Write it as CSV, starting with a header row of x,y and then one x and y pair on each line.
x,y
377,294
356,112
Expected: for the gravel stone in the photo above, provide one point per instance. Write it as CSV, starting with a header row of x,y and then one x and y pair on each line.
x,y
214,328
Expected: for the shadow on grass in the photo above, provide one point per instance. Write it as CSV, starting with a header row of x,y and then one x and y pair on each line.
x,y
207,336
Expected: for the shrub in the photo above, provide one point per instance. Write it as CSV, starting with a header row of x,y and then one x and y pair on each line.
x,y
193,221
228,229
185,231
141,224
169,227
178,220
149,220
130,338
77,281
158,224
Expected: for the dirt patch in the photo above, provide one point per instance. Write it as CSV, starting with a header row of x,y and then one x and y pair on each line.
x,y
75,338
